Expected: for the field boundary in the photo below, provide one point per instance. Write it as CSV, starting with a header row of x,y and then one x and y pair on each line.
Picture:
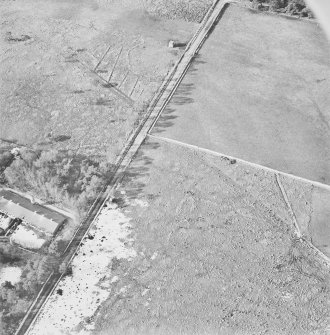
x,y
255,165
276,173
156,106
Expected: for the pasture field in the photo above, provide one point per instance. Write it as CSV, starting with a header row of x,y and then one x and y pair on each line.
x,y
258,93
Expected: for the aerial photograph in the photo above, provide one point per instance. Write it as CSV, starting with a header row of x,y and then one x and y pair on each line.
x,y
165,167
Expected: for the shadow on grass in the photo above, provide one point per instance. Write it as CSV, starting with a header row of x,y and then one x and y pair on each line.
x,y
182,96
138,172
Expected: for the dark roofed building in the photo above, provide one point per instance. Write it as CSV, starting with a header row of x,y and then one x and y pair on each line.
x,y
40,217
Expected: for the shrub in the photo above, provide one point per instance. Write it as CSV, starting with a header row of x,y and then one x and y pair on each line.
x,y
65,269
58,177
293,7
5,160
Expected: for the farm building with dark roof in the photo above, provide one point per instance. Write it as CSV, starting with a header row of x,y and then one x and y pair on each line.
x,y
40,217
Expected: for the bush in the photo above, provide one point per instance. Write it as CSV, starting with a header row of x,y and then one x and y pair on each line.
x,y
5,160
65,269
58,177
189,10
293,7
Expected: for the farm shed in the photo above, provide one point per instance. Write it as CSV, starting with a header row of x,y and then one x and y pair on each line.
x,y
38,216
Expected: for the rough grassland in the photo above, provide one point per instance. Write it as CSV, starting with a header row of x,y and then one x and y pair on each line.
x,y
50,99
212,258
48,96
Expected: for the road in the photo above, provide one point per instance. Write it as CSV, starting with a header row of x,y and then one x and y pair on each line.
x,y
157,105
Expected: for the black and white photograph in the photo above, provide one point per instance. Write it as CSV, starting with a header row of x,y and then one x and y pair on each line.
x,y
164,167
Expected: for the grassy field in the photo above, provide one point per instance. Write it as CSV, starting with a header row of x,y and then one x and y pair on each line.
x,y
55,64
75,80
259,94
51,98
58,105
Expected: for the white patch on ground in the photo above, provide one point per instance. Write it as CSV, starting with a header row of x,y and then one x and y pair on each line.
x,y
4,221
139,202
83,292
27,238
10,273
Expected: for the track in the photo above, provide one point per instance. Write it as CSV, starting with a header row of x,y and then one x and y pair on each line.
x,y
155,108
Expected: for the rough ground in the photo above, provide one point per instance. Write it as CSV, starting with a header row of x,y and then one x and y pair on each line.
x,y
211,252
212,258
198,244
48,95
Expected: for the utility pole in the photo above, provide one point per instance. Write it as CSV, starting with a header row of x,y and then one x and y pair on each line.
x,y
100,61
137,79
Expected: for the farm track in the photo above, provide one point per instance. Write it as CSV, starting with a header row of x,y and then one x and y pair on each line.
x,y
155,108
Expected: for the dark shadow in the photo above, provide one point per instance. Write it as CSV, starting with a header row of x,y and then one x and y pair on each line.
x,y
13,141
110,85
182,96
71,60
101,71
21,38
180,44
139,169
61,138
9,260
103,102
165,120
196,61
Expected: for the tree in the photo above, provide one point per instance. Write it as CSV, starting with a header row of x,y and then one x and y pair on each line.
x,y
5,160
58,177
65,269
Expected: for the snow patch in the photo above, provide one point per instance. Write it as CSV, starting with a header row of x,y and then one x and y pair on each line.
x,y
10,273
27,238
85,290
141,203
